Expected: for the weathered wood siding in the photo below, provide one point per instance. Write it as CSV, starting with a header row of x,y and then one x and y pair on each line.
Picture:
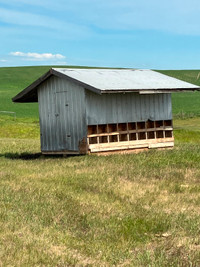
x,y
129,107
62,115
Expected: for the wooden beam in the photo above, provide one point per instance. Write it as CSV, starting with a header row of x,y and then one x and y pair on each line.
x,y
153,143
60,152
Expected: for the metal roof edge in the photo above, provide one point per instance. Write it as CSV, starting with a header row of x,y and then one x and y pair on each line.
x,y
31,87
85,85
151,91
19,97
195,86
172,90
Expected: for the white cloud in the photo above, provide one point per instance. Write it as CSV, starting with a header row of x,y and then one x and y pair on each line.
x,y
37,56
3,60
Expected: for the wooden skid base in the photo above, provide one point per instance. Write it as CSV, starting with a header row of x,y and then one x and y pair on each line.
x,y
139,144
120,147
127,151
60,153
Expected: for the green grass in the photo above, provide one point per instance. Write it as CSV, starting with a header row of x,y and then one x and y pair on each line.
x,y
23,128
119,210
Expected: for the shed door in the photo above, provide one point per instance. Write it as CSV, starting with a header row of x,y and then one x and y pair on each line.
x,y
62,112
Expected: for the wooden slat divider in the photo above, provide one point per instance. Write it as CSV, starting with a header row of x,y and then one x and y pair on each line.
x,y
132,131
129,132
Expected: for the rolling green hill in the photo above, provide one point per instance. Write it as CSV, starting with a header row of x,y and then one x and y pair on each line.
x,y
15,79
12,81
185,104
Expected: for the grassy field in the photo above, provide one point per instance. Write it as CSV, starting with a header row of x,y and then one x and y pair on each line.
x,y
131,210
120,210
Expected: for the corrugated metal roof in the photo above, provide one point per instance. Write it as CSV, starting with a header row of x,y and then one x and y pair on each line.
x,y
125,79
111,81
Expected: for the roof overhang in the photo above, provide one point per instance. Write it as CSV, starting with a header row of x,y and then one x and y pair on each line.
x,y
150,92
29,94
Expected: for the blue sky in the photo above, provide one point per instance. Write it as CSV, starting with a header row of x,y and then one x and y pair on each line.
x,y
156,34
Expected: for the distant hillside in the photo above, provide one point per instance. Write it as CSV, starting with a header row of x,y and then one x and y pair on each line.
x,y
15,79
191,76
12,81
185,104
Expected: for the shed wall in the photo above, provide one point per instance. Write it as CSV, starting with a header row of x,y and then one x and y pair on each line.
x,y
129,107
62,115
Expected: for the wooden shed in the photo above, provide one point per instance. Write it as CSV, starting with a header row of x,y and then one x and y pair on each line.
x,y
101,110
